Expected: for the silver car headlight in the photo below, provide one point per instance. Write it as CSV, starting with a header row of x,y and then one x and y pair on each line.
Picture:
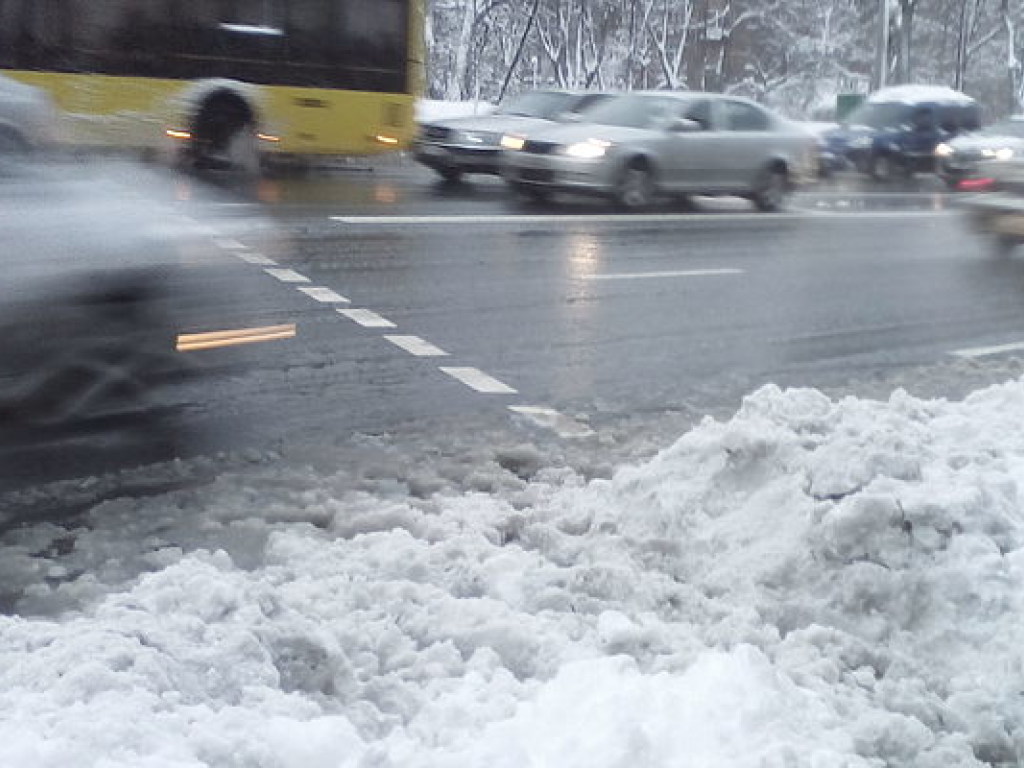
x,y
1003,153
943,150
591,149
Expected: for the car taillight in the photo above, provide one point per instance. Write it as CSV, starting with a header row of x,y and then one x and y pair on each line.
x,y
975,185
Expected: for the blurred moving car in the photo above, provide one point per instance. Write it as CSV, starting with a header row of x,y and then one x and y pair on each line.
x,y
958,161
470,144
106,289
28,117
999,212
895,131
633,147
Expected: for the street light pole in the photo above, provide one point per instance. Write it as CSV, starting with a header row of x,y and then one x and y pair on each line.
x,y
883,42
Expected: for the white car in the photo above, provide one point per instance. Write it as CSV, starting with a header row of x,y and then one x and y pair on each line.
x,y
28,117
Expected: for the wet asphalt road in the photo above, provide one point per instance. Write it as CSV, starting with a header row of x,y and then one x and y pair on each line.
x,y
430,312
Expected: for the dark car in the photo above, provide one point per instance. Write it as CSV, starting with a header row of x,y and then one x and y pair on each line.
x,y
460,145
109,294
999,212
960,161
895,131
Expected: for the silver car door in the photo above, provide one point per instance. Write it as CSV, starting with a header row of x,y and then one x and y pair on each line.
x,y
686,162
748,142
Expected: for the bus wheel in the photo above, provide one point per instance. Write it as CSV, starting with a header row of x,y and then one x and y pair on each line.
x,y
242,151
224,134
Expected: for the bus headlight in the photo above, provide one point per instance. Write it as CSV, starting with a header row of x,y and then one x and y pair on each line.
x,y
591,149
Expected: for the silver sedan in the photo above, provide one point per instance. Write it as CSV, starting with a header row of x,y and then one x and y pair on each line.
x,y
636,146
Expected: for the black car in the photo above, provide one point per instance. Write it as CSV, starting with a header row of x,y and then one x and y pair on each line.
x,y
108,292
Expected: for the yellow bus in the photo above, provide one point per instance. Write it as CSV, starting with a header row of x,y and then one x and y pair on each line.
x,y
218,83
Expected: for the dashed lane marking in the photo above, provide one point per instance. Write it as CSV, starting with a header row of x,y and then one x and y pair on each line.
x,y
634,218
414,345
475,379
256,258
985,351
366,318
322,294
673,273
480,381
287,275
524,218
549,418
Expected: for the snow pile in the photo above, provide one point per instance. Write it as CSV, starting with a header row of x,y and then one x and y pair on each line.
x,y
810,583
428,110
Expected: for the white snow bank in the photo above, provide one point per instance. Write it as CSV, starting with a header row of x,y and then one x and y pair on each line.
x,y
428,110
810,583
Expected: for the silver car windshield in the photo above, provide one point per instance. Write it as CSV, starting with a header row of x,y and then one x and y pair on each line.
x,y
634,110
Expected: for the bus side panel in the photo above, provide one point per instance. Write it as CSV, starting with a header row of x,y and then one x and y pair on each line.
x,y
109,112
100,111
311,121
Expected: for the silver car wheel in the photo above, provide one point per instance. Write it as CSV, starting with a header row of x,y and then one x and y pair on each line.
x,y
772,191
635,189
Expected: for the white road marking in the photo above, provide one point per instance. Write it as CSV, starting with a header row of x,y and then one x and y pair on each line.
x,y
287,275
323,295
366,318
627,218
230,244
480,381
414,345
676,273
984,351
256,258
549,418
523,218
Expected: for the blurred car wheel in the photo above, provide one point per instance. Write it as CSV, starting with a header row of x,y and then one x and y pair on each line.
x,y
451,175
107,354
882,167
771,191
635,188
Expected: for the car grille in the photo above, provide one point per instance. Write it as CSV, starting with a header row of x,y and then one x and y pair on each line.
x,y
967,155
537,174
436,132
540,147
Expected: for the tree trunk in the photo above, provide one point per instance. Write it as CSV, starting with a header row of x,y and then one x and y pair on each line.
x,y
519,50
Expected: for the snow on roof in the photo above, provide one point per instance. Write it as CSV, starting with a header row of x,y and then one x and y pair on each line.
x,y
912,94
